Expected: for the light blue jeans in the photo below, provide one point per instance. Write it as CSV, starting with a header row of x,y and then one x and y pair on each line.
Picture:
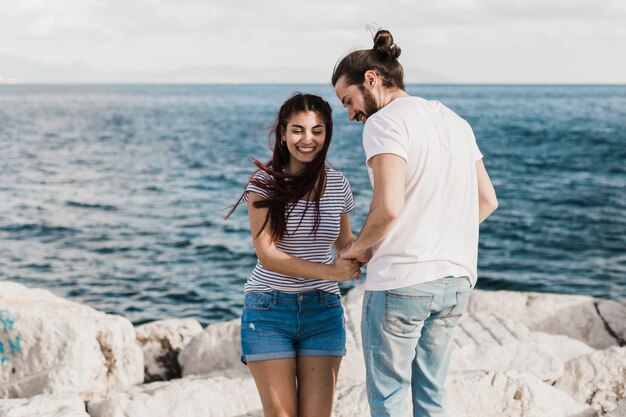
x,y
407,341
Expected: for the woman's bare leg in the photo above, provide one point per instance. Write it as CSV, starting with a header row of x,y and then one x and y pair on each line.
x,y
276,382
317,377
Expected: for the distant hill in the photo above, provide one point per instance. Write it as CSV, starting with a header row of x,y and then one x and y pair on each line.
x,y
14,69
414,75
19,69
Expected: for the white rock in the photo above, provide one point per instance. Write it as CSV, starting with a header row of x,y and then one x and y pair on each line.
x,y
614,314
255,413
80,350
352,369
487,342
352,305
161,342
620,411
571,315
484,394
510,394
227,395
67,405
351,402
562,347
598,379
63,347
513,303
217,347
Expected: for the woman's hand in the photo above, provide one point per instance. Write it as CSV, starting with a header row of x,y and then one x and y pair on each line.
x,y
344,270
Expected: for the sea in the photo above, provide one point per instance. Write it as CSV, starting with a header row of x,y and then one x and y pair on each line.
x,y
115,195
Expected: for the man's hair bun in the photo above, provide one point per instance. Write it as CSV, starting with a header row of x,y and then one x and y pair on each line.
x,y
384,46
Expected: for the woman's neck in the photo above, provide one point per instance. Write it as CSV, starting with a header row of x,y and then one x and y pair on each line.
x,y
294,168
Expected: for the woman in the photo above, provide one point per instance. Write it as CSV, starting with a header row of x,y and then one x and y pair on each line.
x,y
292,328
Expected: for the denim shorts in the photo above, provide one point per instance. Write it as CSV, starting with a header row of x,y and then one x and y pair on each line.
x,y
278,325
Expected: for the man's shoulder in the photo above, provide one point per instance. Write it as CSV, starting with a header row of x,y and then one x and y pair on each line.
x,y
400,108
419,108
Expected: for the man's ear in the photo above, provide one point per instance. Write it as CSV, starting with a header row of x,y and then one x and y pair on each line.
x,y
371,79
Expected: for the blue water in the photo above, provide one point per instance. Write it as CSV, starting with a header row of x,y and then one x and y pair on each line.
x,y
114,195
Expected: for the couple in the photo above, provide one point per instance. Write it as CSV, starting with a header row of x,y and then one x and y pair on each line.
x,y
420,240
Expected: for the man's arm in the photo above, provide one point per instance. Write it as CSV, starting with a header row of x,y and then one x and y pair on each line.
x,y
387,203
487,200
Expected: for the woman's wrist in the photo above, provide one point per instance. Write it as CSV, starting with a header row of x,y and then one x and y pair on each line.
x,y
329,269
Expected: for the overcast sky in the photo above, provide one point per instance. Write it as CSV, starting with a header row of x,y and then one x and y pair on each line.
x,y
473,41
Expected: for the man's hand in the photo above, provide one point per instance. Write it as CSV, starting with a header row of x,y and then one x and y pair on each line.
x,y
352,252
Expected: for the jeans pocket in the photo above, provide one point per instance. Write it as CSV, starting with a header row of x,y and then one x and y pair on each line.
x,y
332,300
462,301
404,313
258,300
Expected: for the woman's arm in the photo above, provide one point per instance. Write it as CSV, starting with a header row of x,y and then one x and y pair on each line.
x,y
276,260
345,233
345,239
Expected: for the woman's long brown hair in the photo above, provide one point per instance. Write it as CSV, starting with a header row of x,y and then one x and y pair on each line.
x,y
286,190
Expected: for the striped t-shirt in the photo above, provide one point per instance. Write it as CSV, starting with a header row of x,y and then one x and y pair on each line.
x,y
299,239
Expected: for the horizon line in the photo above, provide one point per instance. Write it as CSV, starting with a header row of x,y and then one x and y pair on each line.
x,y
267,83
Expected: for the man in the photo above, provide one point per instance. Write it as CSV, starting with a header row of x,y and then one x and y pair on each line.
x,y
431,191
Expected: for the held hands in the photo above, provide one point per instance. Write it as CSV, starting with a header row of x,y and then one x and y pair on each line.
x,y
345,270
348,263
361,256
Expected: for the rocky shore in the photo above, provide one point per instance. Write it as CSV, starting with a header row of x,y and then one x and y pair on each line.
x,y
517,354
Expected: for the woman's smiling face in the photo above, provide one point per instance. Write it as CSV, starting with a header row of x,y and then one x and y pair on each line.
x,y
304,136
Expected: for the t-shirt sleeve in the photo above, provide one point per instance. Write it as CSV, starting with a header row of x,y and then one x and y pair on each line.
x,y
384,135
348,198
476,154
262,176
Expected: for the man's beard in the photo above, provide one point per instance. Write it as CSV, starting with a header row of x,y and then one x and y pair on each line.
x,y
369,102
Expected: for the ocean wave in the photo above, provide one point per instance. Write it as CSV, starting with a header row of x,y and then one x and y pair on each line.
x,y
105,207
23,231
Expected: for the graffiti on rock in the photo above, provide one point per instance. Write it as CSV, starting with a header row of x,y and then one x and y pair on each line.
x,y
10,343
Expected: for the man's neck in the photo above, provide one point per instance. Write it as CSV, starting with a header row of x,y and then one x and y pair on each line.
x,y
388,95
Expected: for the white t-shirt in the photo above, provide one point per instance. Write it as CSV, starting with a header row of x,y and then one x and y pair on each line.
x,y
436,235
